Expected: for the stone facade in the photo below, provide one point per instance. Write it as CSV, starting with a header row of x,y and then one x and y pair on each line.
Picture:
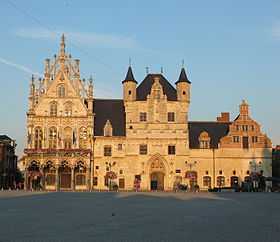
x,y
8,162
143,141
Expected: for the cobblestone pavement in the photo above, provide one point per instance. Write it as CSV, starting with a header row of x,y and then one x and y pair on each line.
x,y
67,216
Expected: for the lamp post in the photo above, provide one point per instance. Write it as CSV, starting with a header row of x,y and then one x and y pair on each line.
x,y
190,164
109,169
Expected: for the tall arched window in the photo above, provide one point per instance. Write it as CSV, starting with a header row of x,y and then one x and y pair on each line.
x,y
61,90
52,138
53,108
68,138
68,108
38,138
83,138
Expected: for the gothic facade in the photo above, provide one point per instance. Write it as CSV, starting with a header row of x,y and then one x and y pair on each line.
x,y
143,141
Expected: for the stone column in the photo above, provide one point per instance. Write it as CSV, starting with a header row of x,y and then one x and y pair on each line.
x,y
42,180
72,178
25,179
88,182
57,179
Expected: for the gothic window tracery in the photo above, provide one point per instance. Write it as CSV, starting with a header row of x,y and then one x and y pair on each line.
x,y
68,108
83,138
53,138
53,108
67,138
61,90
38,138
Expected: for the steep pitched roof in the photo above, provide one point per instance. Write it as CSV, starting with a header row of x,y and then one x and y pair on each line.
x,y
183,76
5,137
129,76
145,86
215,130
109,109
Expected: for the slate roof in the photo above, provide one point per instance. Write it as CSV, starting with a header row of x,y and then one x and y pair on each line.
x,y
5,137
183,77
129,76
109,109
216,130
145,86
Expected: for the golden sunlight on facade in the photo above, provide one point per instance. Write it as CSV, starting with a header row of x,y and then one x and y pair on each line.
x,y
143,141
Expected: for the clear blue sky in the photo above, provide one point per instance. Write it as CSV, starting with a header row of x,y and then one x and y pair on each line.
x,y
231,51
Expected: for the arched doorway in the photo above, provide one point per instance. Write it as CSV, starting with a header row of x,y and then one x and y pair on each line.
x,y
234,181
157,175
80,176
65,176
34,176
192,177
50,171
157,181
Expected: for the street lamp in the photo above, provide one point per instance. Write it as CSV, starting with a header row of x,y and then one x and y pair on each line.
x,y
109,169
190,164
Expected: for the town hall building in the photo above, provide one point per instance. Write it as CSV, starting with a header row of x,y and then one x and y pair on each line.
x,y
144,141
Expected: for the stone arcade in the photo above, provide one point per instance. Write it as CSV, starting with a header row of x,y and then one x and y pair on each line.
x,y
143,141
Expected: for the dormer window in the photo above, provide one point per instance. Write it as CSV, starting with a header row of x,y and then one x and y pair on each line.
x,y
108,130
61,90
204,140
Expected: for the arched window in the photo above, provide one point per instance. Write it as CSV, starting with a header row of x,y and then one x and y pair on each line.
x,y
52,138
68,108
234,181
61,90
68,138
221,181
83,138
204,140
38,138
207,181
53,108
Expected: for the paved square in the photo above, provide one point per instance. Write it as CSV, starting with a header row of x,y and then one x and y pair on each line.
x,y
67,216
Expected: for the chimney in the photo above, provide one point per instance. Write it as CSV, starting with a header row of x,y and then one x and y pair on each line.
x,y
224,118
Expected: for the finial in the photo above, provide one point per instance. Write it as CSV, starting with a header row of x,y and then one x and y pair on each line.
x,y
129,61
32,79
90,79
147,70
183,63
62,45
161,70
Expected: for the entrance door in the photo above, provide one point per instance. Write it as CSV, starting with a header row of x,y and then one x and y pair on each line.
x,y
65,181
157,181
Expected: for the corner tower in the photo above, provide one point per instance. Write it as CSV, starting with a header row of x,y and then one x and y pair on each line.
x,y
129,86
183,86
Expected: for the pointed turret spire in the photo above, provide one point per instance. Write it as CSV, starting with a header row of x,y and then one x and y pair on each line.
x,y
183,76
62,46
129,76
